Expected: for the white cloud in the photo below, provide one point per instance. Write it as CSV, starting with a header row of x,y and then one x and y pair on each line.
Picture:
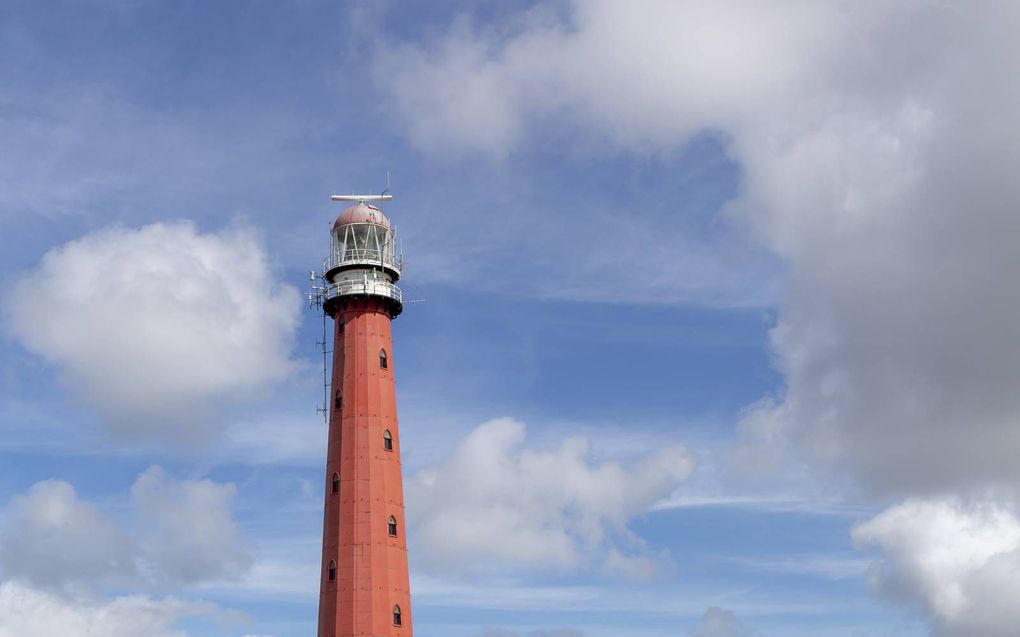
x,y
641,79
958,562
717,622
605,75
186,532
182,532
52,539
27,612
153,326
495,502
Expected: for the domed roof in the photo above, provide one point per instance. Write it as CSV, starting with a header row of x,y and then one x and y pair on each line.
x,y
361,212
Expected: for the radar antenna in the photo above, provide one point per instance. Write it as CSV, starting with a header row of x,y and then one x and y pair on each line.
x,y
361,198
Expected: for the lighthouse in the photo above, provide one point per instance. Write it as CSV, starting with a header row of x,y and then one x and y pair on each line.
x,y
363,588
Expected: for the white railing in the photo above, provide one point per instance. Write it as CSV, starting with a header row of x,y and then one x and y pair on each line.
x,y
364,256
365,287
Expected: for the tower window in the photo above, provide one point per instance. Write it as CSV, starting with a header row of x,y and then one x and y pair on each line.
x,y
396,616
387,441
332,571
338,401
335,488
383,362
393,526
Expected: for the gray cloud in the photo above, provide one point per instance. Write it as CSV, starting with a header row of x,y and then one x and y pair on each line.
x,y
156,326
899,336
876,145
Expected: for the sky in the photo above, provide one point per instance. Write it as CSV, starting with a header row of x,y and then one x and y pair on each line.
x,y
713,330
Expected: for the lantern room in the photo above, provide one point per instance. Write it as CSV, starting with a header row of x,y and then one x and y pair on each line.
x,y
363,238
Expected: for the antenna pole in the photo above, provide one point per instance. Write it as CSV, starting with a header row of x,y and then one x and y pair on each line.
x,y
325,373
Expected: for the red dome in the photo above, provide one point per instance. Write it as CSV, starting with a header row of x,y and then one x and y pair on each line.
x,y
361,213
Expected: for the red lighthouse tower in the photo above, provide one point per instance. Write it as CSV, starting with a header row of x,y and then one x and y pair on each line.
x,y
363,589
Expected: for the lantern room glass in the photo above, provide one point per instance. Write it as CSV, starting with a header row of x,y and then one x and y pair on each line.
x,y
365,242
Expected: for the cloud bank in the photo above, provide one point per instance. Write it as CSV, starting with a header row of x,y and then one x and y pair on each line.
x,y
877,146
156,326
875,162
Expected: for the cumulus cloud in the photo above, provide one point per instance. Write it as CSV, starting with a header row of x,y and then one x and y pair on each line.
x,y
154,326
28,612
899,336
180,532
959,562
186,531
876,145
52,539
717,622
497,502
640,79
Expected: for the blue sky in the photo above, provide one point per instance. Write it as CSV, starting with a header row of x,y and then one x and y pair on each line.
x,y
686,357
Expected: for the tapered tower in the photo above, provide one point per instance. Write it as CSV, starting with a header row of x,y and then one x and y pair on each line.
x,y
363,589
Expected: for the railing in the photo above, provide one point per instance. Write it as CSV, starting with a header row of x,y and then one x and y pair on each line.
x,y
372,287
364,256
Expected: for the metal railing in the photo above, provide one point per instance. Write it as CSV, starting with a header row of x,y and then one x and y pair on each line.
x,y
371,287
364,256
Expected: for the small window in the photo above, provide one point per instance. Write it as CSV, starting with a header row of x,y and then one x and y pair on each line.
x,y
387,441
338,401
335,488
383,362
332,571
396,616
393,526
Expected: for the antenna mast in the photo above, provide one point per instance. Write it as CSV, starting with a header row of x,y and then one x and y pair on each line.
x,y
315,298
